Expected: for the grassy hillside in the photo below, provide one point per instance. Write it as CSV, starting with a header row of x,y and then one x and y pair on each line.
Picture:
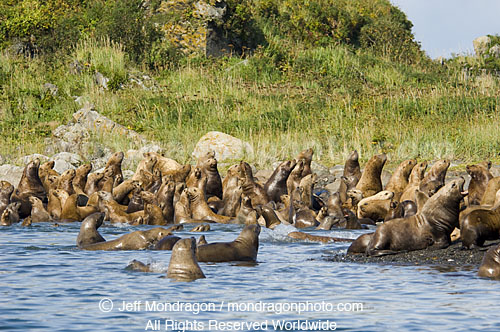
x,y
357,82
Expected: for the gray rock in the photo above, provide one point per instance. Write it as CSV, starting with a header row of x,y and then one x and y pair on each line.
x,y
50,88
210,13
495,51
333,186
11,173
318,168
23,161
75,67
481,45
66,160
337,170
226,147
101,80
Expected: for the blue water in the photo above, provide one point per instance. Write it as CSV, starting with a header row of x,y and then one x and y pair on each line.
x,y
47,284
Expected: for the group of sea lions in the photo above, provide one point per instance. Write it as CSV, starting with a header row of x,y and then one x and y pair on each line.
x,y
415,210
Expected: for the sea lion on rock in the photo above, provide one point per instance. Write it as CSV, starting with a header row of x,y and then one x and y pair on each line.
x,y
293,180
167,243
138,240
399,179
11,214
92,184
183,265
251,188
38,212
370,182
489,195
88,230
29,185
479,225
430,227
351,167
201,228
208,165
480,176
66,181
434,179
271,218
490,265
243,248
306,157
401,210
6,190
200,209
277,183
80,179
153,215
115,164
360,245
375,207
416,176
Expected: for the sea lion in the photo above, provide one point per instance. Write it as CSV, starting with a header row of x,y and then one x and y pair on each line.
x,y
146,164
80,179
295,176
271,218
416,176
38,212
66,181
164,164
276,185
434,179
138,240
479,225
88,230
243,248
399,179
306,193
347,183
121,191
247,214
480,176
231,199
360,245
26,222
153,215
11,214
74,206
138,266
375,207
44,171
177,175
115,164
167,243
183,265
370,182
251,188
208,165
199,207
430,227
92,184
6,190
183,210
202,241
156,182
490,265
107,182
29,185
165,197
306,157
315,238
351,167
489,195
201,228
135,203
351,221
401,210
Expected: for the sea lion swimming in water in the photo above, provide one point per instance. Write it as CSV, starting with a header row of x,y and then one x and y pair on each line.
x,y
183,265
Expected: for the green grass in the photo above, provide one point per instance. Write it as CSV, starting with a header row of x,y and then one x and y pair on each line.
x,y
334,99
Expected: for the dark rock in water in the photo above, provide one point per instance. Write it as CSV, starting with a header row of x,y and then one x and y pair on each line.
x,y
454,255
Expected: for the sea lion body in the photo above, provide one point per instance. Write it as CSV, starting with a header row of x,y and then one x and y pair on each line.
x,y
478,226
29,185
6,190
88,230
276,185
183,264
434,179
352,168
243,248
399,179
10,215
375,207
490,265
200,209
167,243
480,176
38,212
360,245
138,240
370,182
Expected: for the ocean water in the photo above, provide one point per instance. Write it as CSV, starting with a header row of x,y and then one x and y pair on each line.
x,y
47,284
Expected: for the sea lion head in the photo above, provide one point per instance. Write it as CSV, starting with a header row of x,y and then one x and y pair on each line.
x,y
6,189
250,234
193,193
105,196
306,154
183,265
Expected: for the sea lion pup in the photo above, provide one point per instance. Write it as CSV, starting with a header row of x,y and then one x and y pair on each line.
x,y
202,241
183,265
11,214
370,182
251,188
430,227
490,265
201,228
208,165
92,184
351,167
138,240
80,179
295,176
480,176
489,195
46,169
401,210
38,212
6,190
360,244
375,207
416,176
276,185
167,243
306,157
434,179
200,209
247,214
315,238
88,230
243,248
399,179
29,185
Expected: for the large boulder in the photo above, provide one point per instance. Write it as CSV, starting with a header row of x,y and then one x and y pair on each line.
x,y
66,160
226,147
481,45
11,173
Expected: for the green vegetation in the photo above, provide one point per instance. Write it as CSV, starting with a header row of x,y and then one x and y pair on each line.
x,y
332,75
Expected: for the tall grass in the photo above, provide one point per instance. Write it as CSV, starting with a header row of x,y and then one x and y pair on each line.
x,y
334,99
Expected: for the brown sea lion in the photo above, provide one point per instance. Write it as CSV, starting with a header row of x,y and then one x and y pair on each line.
x,y
276,185
271,218
29,185
74,206
38,212
351,221
88,230
115,164
6,190
44,171
121,191
346,184
231,199
92,184
247,214
490,265
107,182
202,241
183,210
208,165
167,243
399,179
375,207
430,227
434,179
295,176
183,264
138,266
178,175
360,245
165,197
11,214
315,238
80,179
164,164
26,221
370,182
480,176
480,224
146,164
306,157
201,228
251,188
138,240
416,176
135,203
153,215
66,181
243,248
401,210
489,195
351,167
199,207
307,185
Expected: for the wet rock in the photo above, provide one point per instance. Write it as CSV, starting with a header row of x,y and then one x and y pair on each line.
x,y
11,173
226,147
